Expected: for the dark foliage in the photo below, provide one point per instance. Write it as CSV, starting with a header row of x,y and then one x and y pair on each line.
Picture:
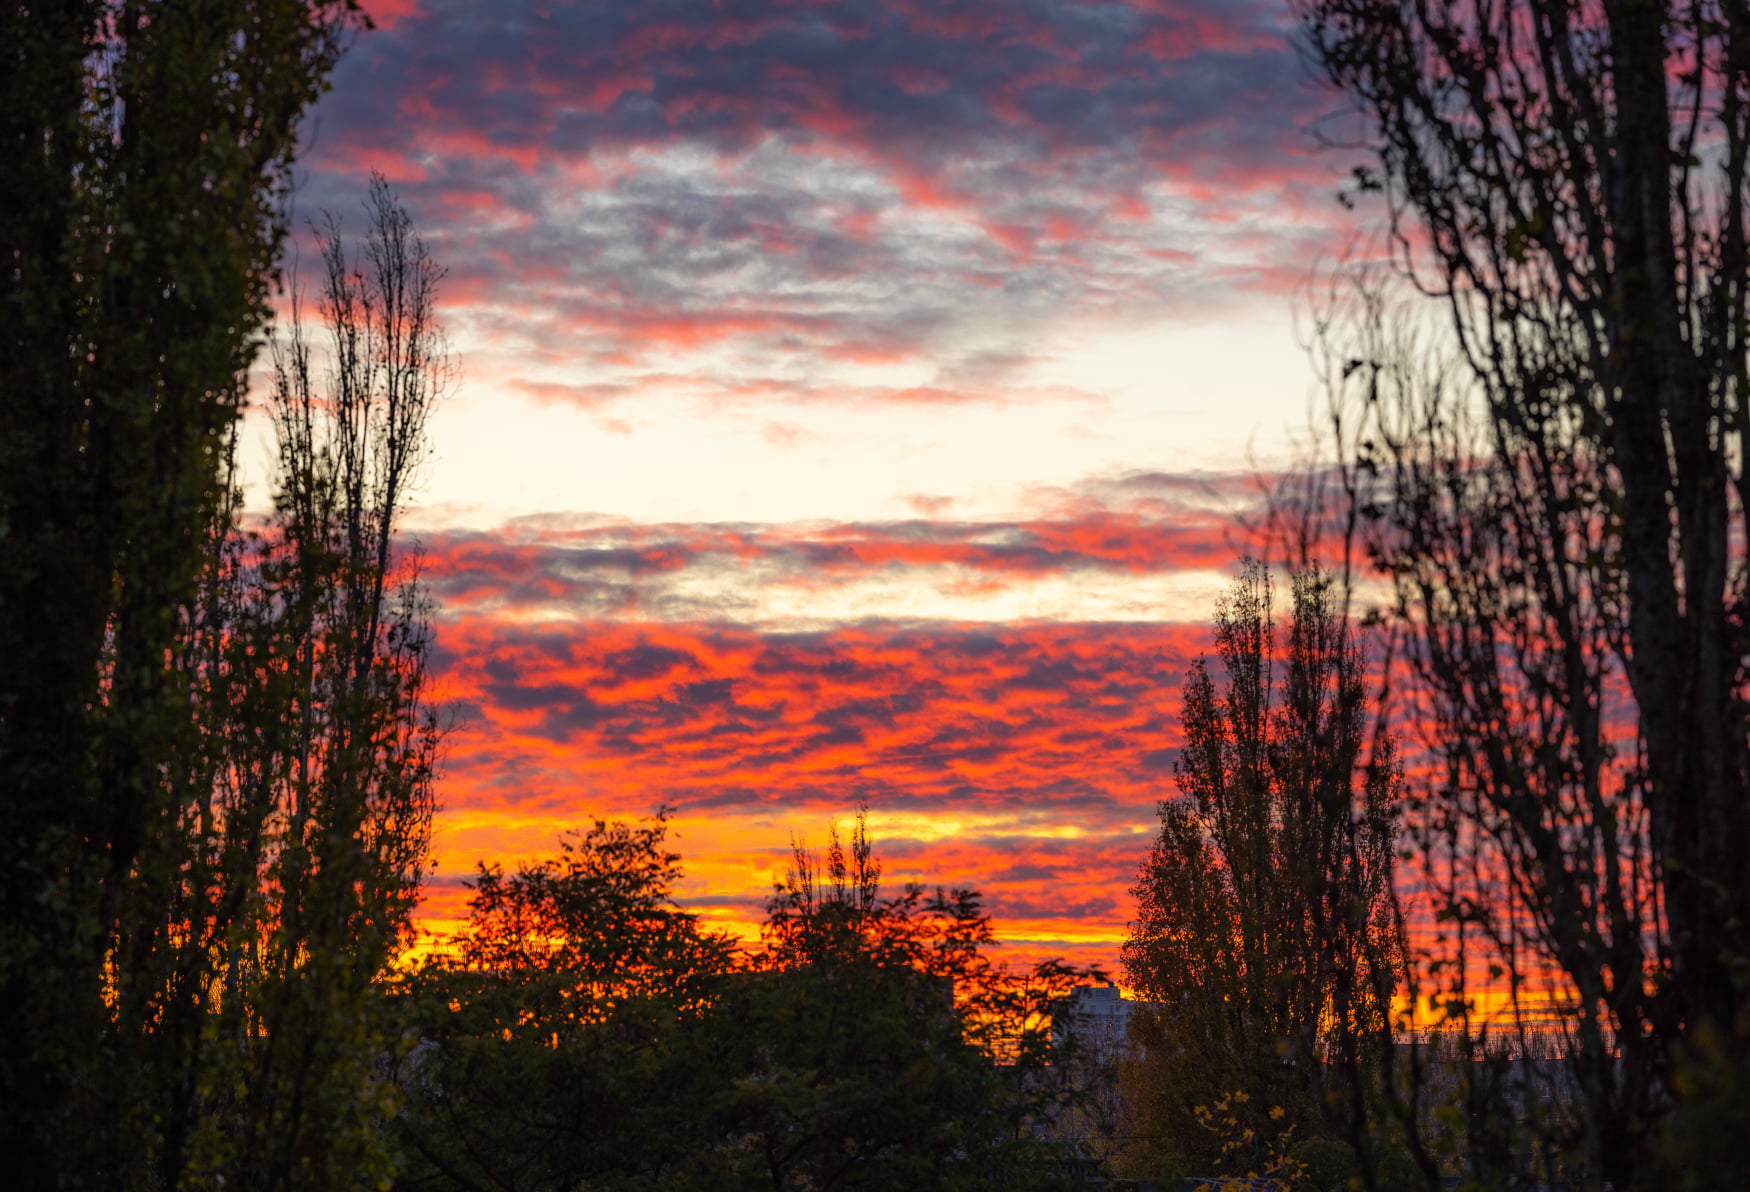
x,y
1266,942
315,777
585,1031
156,915
1556,488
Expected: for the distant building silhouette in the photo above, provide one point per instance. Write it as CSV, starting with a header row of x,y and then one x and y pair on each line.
x,y
1099,1018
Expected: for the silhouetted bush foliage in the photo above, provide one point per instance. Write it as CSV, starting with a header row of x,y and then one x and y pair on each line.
x,y
585,1032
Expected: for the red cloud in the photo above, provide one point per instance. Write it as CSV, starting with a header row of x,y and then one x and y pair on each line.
x,y
847,148
1023,760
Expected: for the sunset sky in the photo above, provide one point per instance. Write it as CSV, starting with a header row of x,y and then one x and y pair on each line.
x,y
857,401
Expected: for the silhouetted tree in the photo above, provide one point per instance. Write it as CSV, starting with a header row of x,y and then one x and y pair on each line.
x,y
558,1042
916,1060
1266,945
1561,505
585,1030
319,748
145,149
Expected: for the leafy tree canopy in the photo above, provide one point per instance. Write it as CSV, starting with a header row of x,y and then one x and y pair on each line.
x,y
584,1029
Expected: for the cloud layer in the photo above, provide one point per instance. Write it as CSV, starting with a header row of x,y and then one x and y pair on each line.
x,y
1151,550
608,668
785,207
1024,760
847,201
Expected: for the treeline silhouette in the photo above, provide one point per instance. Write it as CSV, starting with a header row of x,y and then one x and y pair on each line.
x,y
580,1031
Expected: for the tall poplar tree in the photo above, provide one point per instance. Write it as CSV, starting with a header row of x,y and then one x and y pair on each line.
x,y
1562,507
1266,944
145,150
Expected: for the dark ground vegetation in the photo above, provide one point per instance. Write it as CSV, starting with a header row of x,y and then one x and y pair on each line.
x,y
583,1032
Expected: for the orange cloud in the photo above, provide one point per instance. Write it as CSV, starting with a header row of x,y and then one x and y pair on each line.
x,y
1026,761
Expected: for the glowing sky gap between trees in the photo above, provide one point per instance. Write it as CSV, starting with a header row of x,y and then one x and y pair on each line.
x,y
857,400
